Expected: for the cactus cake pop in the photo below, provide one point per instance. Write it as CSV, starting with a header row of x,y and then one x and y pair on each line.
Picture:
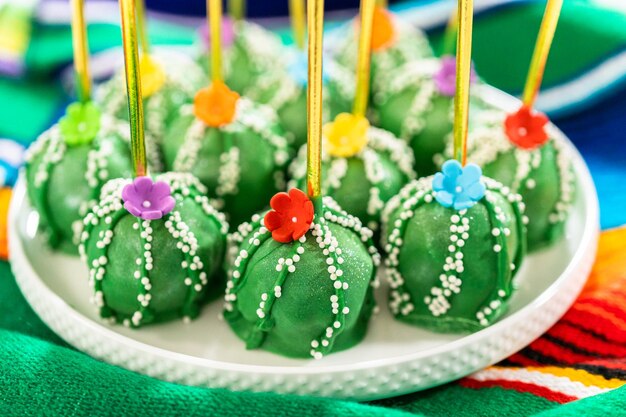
x,y
154,248
415,102
69,163
394,43
455,240
301,279
170,80
524,152
250,52
235,147
364,166
284,88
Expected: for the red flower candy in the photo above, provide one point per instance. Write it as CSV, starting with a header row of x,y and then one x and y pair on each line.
x,y
291,216
526,128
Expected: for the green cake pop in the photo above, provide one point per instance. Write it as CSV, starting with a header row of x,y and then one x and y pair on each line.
x,y
364,166
394,43
154,248
66,167
144,269
301,279
250,52
437,224
69,163
415,102
170,80
235,147
525,153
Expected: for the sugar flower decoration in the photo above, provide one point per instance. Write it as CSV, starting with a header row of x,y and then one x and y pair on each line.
x,y
228,33
457,186
298,69
148,200
11,159
152,76
81,123
346,135
383,30
291,215
445,78
216,105
526,128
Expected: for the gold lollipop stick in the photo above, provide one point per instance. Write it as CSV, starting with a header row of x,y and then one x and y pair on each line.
x,y
542,50
363,63
133,86
463,68
143,27
381,3
214,11
298,22
81,51
237,9
315,17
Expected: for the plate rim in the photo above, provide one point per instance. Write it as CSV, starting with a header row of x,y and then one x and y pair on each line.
x,y
582,260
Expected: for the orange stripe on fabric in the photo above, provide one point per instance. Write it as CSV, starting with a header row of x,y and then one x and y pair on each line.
x,y
576,375
609,263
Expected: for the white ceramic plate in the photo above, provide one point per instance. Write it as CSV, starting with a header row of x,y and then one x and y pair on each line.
x,y
393,359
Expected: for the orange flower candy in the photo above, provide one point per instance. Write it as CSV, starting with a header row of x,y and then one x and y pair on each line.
x,y
383,31
215,105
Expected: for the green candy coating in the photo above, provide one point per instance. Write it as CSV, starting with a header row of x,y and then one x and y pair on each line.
x,y
242,164
280,91
363,183
149,271
410,45
543,176
408,104
64,181
296,300
183,78
254,52
431,284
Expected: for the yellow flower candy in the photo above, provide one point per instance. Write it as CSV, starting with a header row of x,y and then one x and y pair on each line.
x,y
152,76
346,135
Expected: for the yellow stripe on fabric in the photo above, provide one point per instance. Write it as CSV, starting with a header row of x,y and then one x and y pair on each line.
x,y
579,375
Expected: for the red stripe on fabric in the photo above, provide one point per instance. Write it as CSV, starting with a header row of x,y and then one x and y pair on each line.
x,y
561,354
589,321
579,338
605,305
533,389
520,360
608,363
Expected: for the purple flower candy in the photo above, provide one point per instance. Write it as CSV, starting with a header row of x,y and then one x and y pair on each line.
x,y
147,199
445,78
228,33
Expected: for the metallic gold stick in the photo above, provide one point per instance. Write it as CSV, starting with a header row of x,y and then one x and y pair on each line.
x,y
237,9
315,18
142,25
133,86
365,53
81,52
463,67
214,11
298,22
381,3
542,50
